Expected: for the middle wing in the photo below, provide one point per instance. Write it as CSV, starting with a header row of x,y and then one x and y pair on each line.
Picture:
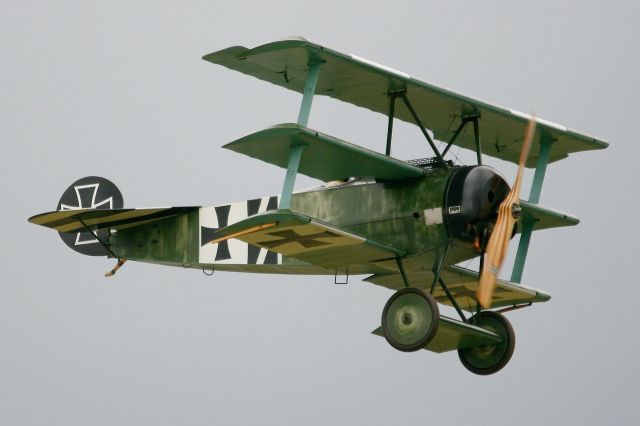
x,y
325,157
307,239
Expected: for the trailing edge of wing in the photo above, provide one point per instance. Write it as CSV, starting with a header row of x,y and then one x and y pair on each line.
x,y
324,157
463,284
307,239
72,220
366,84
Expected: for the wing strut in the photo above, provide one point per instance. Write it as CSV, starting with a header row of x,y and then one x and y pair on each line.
x,y
308,93
295,152
534,197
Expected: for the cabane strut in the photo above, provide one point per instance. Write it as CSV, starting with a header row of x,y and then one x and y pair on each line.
x,y
402,93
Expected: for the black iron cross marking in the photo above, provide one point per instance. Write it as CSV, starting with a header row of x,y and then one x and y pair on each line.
x,y
291,236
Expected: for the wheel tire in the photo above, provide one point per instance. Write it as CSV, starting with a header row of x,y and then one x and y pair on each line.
x,y
410,319
489,359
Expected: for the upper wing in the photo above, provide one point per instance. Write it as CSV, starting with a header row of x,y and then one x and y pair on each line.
x,y
325,157
366,84
304,238
72,220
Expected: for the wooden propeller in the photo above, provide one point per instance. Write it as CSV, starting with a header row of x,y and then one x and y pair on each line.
x,y
508,214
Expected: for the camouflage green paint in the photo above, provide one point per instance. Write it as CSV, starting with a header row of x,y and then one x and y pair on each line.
x,y
172,241
390,213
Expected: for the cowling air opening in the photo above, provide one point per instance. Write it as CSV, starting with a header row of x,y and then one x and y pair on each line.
x,y
91,192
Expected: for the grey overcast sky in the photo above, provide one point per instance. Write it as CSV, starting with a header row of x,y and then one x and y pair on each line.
x,y
118,89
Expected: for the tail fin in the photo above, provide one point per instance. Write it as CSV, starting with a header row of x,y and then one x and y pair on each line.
x,y
91,192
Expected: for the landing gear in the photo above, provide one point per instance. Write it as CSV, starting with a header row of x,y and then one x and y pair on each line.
x,y
410,319
489,359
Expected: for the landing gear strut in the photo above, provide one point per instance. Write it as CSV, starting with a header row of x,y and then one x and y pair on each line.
x,y
410,319
489,359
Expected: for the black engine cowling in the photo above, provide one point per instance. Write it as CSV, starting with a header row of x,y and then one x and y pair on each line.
x,y
471,203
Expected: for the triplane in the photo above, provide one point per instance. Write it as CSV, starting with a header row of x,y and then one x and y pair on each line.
x,y
405,224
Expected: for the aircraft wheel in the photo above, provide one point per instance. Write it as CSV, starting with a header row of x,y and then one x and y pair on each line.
x,y
410,319
489,359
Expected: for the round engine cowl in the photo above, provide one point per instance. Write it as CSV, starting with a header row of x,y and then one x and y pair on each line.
x,y
471,203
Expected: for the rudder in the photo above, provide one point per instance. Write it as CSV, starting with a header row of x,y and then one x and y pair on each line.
x,y
89,192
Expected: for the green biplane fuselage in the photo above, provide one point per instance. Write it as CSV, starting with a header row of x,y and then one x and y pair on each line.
x,y
391,214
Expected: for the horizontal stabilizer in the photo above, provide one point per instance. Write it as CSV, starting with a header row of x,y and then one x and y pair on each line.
x,y
367,84
543,217
463,284
307,239
454,335
324,157
72,220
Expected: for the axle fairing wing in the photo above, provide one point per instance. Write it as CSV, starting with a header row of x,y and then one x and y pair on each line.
x,y
366,84
453,334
